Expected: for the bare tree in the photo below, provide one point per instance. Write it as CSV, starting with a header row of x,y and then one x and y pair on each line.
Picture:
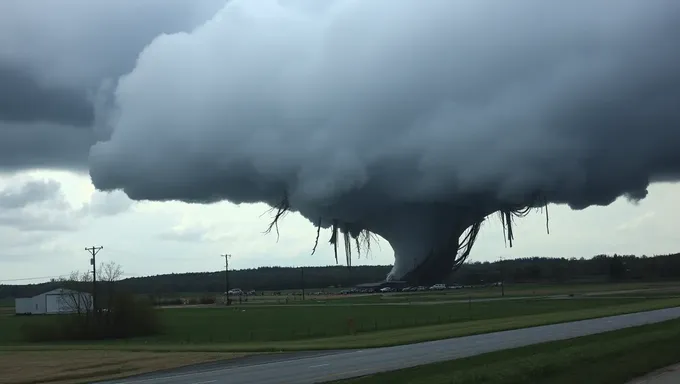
x,y
73,297
108,274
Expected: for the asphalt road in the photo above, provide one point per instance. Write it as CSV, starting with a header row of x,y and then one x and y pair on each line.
x,y
318,367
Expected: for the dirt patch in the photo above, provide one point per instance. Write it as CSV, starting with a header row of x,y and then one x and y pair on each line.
x,y
69,367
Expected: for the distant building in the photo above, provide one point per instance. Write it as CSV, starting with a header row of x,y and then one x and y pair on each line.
x,y
56,301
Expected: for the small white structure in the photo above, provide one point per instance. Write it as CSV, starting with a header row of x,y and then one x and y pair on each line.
x,y
56,301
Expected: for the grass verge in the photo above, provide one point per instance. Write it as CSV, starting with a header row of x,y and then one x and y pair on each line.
x,y
375,339
608,358
67,367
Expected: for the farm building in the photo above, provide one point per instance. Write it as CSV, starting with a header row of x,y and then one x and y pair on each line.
x,y
56,301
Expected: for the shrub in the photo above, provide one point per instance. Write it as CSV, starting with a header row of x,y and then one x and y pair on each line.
x,y
126,317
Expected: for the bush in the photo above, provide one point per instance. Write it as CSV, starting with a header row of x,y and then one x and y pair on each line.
x,y
126,317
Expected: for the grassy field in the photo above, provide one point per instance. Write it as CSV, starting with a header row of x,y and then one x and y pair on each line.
x,y
654,289
405,335
367,317
66,367
332,296
257,324
195,334
608,358
293,323
537,290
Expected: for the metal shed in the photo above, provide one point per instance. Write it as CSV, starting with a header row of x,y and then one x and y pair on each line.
x,y
56,301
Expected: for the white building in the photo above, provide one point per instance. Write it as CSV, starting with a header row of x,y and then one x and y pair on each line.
x,y
55,301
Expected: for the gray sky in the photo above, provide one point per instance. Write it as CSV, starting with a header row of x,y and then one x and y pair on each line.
x,y
339,109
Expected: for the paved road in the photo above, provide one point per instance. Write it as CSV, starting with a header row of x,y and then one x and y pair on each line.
x,y
320,367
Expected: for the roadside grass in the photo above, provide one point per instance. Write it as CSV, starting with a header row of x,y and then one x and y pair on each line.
x,y
368,339
276,324
608,358
66,367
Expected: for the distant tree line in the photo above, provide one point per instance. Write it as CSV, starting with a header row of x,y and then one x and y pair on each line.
x,y
600,268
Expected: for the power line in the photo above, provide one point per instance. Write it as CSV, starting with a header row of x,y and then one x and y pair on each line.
x,y
31,278
2,281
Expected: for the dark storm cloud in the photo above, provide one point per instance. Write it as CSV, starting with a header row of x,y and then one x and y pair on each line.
x,y
411,119
370,104
22,99
54,59
44,145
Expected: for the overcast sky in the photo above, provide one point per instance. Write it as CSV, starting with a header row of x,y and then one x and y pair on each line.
x,y
60,65
44,230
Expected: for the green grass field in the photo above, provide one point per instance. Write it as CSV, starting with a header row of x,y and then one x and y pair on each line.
x,y
402,318
652,289
258,329
536,290
293,323
256,324
608,358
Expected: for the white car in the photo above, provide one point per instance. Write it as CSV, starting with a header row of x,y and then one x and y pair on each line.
x,y
438,287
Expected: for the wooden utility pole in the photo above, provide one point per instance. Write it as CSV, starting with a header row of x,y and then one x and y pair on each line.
x,y
226,274
302,280
502,278
93,251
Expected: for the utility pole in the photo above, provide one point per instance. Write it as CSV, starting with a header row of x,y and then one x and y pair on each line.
x,y
415,264
302,279
502,278
93,251
226,274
